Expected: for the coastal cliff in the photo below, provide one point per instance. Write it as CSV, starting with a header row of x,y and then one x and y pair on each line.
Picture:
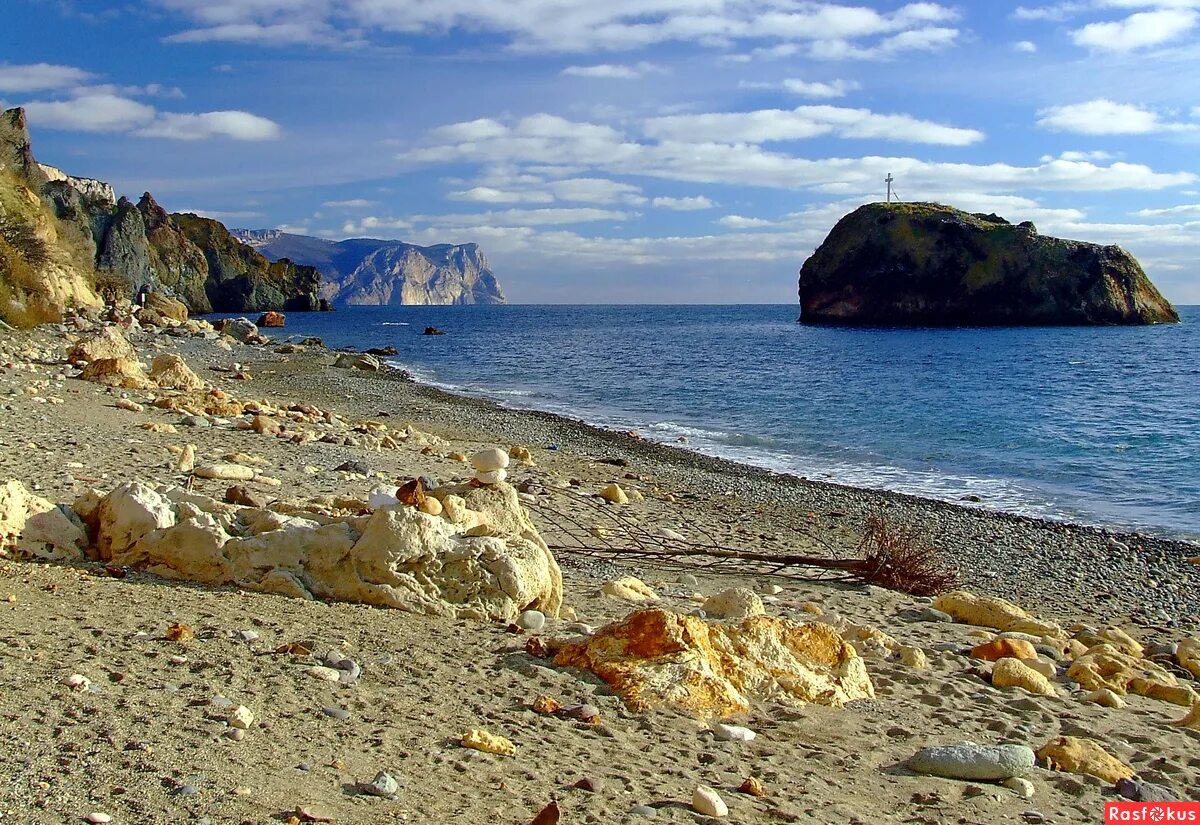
x,y
369,272
924,264
67,240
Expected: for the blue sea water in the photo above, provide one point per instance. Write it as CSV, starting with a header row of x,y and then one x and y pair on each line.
x,y
1100,425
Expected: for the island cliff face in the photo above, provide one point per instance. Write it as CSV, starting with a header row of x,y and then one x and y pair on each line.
x,y
924,264
68,240
369,272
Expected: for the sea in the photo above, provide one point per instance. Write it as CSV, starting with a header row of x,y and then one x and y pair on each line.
x,y
1099,425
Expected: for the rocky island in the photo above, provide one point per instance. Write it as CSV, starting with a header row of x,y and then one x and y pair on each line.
x,y
924,264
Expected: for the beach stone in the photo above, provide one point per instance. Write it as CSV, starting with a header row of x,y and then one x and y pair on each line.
x,y
225,472
490,460
239,329
272,319
187,459
643,810
613,494
732,733
1187,653
657,657
967,760
324,674
57,534
358,361
1004,648
914,657
106,342
384,785
708,802
1086,757
1020,786
383,496
491,476
336,713
1013,673
932,614
1192,720
123,373
241,718
1104,667
481,740
77,681
1113,637
98,818
532,620
521,454
991,611
1105,698
1140,791
629,589
17,505
171,372
736,603
132,510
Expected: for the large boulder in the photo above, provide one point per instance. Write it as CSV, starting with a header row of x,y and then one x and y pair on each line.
x,y
358,361
272,319
160,308
239,329
1104,667
171,372
17,505
657,657
992,611
106,342
924,264
124,373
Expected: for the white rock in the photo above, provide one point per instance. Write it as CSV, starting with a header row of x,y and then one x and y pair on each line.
x,y
732,733
736,603
383,496
77,681
491,476
708,802
532,620
241,718
226,472
613,494
187,459
1020,786
490,460
55,535
325,674
98,818
128,513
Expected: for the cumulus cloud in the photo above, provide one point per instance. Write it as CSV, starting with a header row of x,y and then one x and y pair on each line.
x,y
1106,117
573,25
741,222
804,122
1138,31
1026,46
39,77
818,89
613,71
91,113
1185,209
687,204
234,125
497,218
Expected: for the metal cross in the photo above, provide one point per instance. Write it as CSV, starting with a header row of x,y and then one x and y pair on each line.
x,y
889,181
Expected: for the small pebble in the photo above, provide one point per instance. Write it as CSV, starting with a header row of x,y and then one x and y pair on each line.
x,y
532,620
708,802
336,713
98,818
186,790
643,810
384,784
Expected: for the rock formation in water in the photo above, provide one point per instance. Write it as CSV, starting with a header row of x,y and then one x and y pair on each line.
x,y
364,271
924,264
66,239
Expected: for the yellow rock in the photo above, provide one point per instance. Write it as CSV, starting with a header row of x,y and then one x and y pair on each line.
x,y
865,633
813,608
481,740
172,372
1192,720
914,657
430,505
1105,667
629,589
1075,649
1189,655
125,373
1013,673
1115,638
1105,698
522,455
614,494
657,657
1047,669
990,611
998,649
1083,756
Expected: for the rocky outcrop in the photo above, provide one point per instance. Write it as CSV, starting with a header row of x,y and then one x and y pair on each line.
x,y
371,272
95,190
923,264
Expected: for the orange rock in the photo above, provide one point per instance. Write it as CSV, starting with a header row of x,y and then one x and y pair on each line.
x,y
125,373
656,657
546,705
998,649
272,319
1085,757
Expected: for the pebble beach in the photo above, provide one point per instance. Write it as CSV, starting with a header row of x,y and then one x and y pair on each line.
x,y
146,734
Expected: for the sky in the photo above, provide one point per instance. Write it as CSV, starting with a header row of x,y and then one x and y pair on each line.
x,y
627,151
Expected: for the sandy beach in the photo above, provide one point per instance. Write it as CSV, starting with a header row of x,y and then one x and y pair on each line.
x,y
148,739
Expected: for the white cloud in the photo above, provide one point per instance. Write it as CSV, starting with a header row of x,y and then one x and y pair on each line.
x,y
683,204
1149,28
353,203
818,89
91,113
614,71
490,194
234,125
1187,209
500,188
372,224
39,77
767,125
1026,46
1105,117
740,222
573,25
493,219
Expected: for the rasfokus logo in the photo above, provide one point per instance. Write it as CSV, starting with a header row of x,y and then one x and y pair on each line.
x,y
1152,813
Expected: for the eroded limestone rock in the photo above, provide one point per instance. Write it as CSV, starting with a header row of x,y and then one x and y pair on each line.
x,y
1106,667
1083,756
991,611
657,657
106,342
171,372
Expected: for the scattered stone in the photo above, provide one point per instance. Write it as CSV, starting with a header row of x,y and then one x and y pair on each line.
x,y
490,460
384,785
225,472
1083,756
272,319
77,681
932,614
588,784
1004,648
1105,667
708,802
1009,673
171,372
358,361
657,657
239,495
125,373
186,462
532,620
336,713
629,589
967,760
491,476
186,790
324,674
1105,698
1140,791
732,733
315,813
241,718
98,818
613,494
752,786
1192,720
129,406
481,740
991,611
1020,786
643,810
914,657
736,603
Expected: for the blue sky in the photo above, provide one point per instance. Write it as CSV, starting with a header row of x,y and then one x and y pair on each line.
x,y
627,150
